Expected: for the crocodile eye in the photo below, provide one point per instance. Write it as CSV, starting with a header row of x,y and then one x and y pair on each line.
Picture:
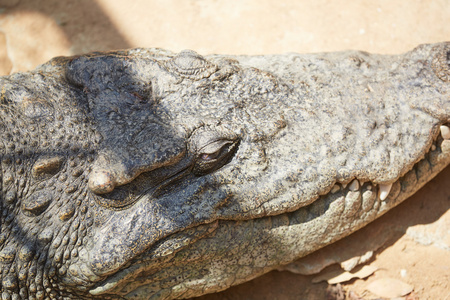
x,y
212,150
213,156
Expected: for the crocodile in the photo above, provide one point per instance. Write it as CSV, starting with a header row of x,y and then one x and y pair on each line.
x,y
148,174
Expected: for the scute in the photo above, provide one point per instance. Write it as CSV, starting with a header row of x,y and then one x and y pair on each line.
x,y
189,64
441,62
35,109
37,202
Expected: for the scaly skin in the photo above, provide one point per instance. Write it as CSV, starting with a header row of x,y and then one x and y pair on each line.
x,y
144,174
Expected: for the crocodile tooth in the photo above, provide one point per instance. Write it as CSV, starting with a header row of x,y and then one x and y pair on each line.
x,y
336,188
445,132
384,191
445,146
354,185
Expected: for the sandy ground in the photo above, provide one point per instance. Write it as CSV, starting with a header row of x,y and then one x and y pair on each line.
x,y
415,236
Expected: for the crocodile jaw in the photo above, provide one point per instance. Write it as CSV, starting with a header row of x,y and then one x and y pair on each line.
x,y
296,221
274,240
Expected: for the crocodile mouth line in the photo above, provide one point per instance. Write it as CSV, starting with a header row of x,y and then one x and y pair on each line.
x,y
435,159
440,145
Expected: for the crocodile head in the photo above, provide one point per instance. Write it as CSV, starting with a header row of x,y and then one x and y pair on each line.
x,y
145,174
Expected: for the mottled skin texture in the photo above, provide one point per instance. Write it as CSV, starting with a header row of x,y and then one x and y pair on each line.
x,y
145,174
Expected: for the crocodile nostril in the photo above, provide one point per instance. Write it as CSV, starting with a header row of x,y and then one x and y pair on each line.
x,y
101,182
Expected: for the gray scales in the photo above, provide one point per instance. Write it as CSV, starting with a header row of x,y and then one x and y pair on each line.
x,y
144,174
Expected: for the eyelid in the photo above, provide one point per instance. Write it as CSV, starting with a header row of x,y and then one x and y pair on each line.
x,y
213,156
214,147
